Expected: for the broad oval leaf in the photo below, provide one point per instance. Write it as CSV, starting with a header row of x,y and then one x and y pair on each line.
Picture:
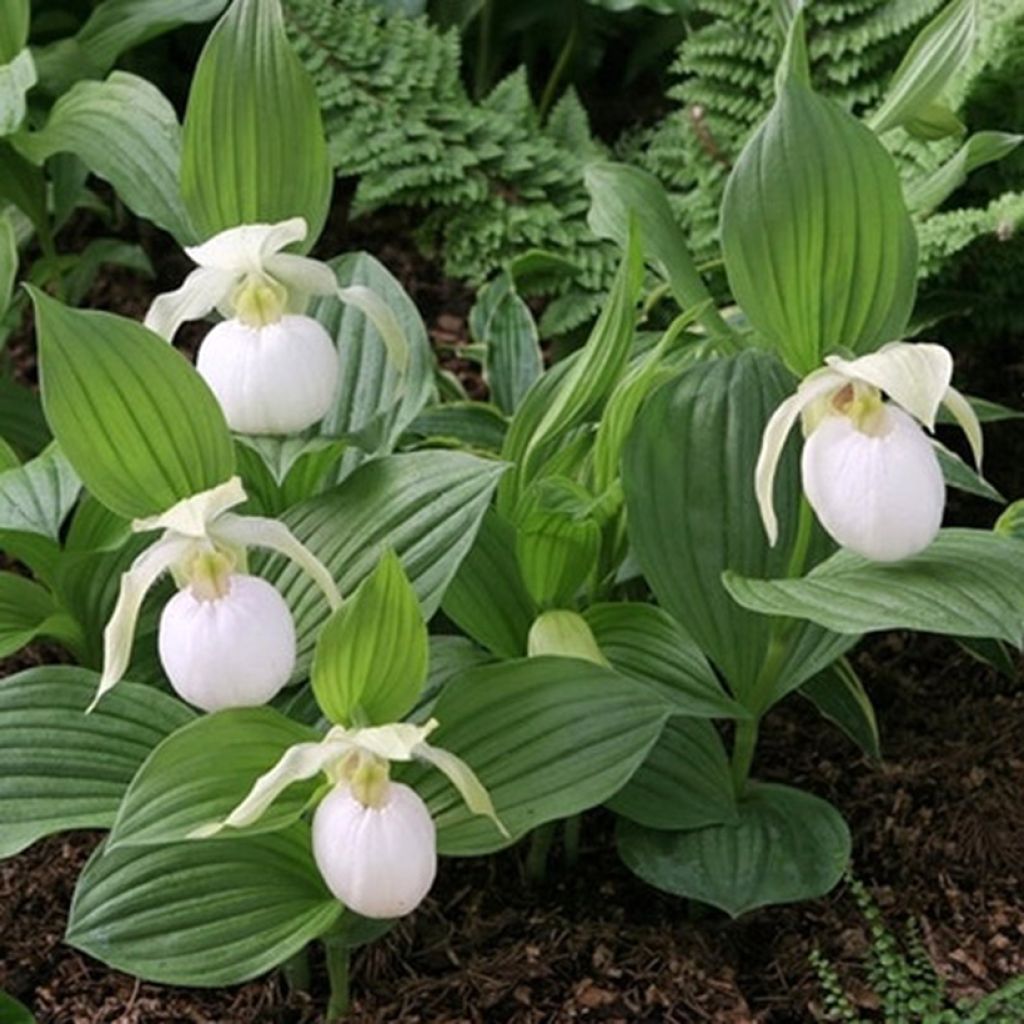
x,y
786,846
253,149
27,611
202,771
136,421
202,913
548,737
967,583
63,769
819,247
36,497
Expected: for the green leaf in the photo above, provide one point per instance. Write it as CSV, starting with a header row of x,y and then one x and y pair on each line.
x,y
1011,522
840,696
487,598
23,184
13,1012
967,583
819,248
644,642
136,421
939,50
28,611
21,418
548,737
786,846
425,506
958,474
203,771
688,476
202,913
927,193
36,497
126,132
14,23
475,426
375,398
504,325
685,783
371,655
62,769
17,77
8,262
254,149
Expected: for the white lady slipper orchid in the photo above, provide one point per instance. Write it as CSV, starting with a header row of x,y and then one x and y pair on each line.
x,y
869,470
373,839
273,369
226,639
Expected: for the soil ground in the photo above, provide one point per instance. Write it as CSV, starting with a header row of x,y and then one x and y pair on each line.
x,y
938,839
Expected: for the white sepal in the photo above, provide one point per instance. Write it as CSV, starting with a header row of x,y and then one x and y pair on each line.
x,y
464,779
135,584
278,378
880,494
191,517
234,651
199,295
916,377
246,248
259,532
378,861
965,415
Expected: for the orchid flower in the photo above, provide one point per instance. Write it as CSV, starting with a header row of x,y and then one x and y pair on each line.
x,y
273,369
869,470
226,639
374,841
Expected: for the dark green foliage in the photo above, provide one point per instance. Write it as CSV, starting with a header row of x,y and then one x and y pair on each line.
x,y
903,979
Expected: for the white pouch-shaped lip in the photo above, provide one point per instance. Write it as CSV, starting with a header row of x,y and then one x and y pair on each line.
x,y
379,861
275,379
233,651
880,494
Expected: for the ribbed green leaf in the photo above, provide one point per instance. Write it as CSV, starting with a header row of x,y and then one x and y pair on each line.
x,y
786,846
425,506
376,401
646,643
27,611
62,769
203,771
22,423
17,76
967,583
254,148
203,912
139,425
126,132
840,696
475,426
958,474
548,737
504,325
685,782
371,655
8,262
14,22
13,1012
36,497
487,597
819,248
1011,522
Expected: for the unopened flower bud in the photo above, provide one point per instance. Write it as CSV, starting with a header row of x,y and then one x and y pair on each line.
x,y
380,861
227,646
275,379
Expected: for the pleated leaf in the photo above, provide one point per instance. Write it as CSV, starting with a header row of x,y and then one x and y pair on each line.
x,y
37,496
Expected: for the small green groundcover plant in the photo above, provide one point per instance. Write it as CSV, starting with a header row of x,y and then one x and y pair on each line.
x,y
634,555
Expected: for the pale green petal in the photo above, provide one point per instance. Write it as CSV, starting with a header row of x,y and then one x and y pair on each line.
x,y
965,415
191,517
773,442
564,634
245,249
464,779
256,531
377,311
301,275
398,741
203,291
135,584
915,376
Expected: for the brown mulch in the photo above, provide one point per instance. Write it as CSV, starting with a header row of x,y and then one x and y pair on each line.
x,y
938,838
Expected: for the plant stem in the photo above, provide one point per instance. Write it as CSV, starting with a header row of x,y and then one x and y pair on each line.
x,y
481,79
571,839
565,55
338,955
743,753
296,971
537,856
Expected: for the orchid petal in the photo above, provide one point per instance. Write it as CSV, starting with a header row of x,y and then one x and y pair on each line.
x,y
302,761
245,249
915,377
377,311
192,516
302,275
202,291
257,531
135,584
464,779
964,414
773,442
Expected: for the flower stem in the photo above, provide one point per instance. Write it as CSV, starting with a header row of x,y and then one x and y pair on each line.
x,y
571,840
338,956
743,753
537,856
